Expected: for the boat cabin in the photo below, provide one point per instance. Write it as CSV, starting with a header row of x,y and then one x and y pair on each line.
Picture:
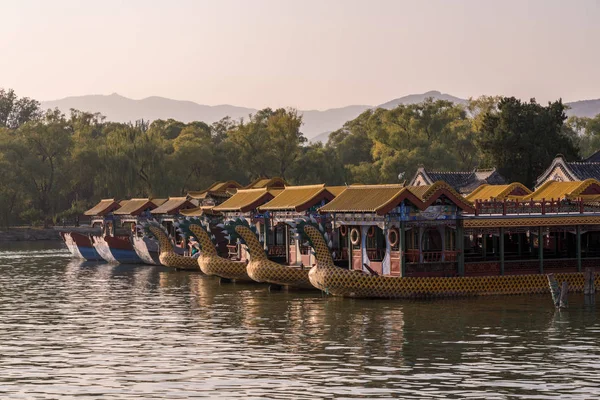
x,y
399,230
214,195
244,204
101,210
292,203
554,229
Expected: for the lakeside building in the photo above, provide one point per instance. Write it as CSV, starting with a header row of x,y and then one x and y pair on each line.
x,y
463,182
561,170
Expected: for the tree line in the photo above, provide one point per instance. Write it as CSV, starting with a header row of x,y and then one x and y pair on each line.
x,y
55,166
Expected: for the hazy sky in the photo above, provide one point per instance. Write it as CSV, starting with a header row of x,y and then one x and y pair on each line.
x,y
305,54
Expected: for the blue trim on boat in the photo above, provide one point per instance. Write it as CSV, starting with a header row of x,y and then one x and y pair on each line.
x,y
126,256
89,253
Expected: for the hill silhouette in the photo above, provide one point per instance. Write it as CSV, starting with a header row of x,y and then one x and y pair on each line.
x,y
317,123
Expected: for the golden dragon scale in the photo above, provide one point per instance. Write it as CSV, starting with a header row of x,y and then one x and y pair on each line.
x,y
261,269
168,257
212,264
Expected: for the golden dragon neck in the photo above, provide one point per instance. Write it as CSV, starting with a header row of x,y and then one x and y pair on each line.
x,y
322,253
165,244
207,246
254,247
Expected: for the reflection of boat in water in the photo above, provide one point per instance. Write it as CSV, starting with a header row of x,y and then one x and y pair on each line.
x,y
167,255
261,269
116,249
80,246
212,264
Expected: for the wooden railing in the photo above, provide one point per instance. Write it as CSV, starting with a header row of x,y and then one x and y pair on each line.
x,y
376,254
305,250
544,206
277,250
414,256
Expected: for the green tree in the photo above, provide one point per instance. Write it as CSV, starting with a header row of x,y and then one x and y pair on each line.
x,y
15,111
521,138
588,133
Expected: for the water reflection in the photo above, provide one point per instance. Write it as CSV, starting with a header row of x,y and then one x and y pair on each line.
x,y
71,328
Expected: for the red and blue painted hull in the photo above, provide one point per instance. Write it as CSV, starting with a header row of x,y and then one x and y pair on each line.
x,y
80,246
122,250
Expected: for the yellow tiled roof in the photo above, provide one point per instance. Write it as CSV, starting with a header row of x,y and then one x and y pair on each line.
x,y
159,202
295,196
171,204
246,199
336,190
487,192
425,192
199,211
102,207
378,198
215,188
133,206
564,190
363,198
266,183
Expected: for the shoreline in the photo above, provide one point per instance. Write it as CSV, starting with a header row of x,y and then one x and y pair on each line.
x,y
32,234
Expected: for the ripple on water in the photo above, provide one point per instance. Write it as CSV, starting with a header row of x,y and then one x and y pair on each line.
x,y
71,329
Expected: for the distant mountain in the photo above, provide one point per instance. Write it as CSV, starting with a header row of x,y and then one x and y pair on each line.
x,y
317,124
419,98
321,137
122,109
584,108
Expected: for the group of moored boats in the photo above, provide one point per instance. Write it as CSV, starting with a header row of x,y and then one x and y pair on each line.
x,y
157,248
391,241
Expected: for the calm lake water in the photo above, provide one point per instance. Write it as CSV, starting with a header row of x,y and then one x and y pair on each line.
x,y
70,329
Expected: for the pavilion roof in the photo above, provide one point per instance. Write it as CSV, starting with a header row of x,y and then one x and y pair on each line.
x,y
199,211
218,189
487,192
298,198
134,206
173,204
363,198
247,199
267,183
336,190
565,190
104,207
381,199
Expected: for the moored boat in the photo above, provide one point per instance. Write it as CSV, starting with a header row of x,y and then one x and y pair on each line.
x,y
116,249
261,269
167,255
147,249
212,264
429,241
81,246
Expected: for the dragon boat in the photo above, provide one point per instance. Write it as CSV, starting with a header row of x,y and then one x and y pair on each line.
x,y
116,249
428,240
261,269
80,246
212,264
338,281
147,249
167,255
